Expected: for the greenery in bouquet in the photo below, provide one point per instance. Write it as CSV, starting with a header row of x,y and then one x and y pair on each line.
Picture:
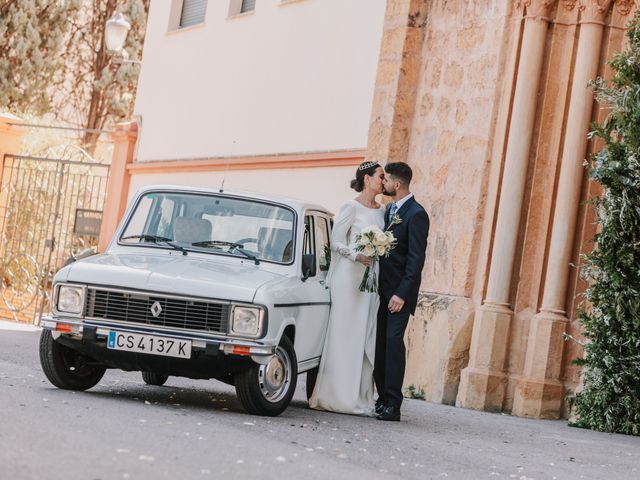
x,y
373,242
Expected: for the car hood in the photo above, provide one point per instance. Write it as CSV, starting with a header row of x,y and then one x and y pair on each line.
x,y
172,274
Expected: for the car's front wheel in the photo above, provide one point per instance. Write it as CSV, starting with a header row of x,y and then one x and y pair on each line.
x,y
156,379
268,389
64,367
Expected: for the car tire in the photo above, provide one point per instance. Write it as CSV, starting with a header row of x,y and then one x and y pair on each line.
x,y
268,389
157,379
312,376
64,367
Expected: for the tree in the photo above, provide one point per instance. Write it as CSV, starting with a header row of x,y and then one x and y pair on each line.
x,y
610,400
32,36
100,89
53,59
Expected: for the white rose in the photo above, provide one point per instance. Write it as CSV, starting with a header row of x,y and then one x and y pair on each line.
x,y
390,237
380,238
382,249
369,229
369,250
362,241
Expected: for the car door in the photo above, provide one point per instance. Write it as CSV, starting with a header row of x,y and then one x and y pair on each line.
x,y
313,314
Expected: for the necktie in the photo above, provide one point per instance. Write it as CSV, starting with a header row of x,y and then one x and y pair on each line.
x,y
392,210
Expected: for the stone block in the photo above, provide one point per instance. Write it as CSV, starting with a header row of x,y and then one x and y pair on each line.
x,y
444,145
444,110
538,399
388,72
483,382
468,39
393,43
481,390
438,340
453,75
461,112
426,104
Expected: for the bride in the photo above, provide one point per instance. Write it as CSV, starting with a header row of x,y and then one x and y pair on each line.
x,y
345,376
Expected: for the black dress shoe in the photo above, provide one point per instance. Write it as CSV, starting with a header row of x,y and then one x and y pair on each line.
x,y
379,408
389,414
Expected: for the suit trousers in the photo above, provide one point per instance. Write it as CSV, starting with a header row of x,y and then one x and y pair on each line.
x,y
390,358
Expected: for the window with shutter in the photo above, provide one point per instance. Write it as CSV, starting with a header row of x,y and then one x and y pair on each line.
x,y
248,6
193,12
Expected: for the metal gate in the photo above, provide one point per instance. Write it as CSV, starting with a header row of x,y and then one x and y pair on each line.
x,y
50,209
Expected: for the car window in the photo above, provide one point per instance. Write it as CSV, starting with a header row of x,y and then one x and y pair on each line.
x,y
213,224
323,246
308,242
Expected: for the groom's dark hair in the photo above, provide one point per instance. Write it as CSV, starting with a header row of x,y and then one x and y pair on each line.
x,y
400,171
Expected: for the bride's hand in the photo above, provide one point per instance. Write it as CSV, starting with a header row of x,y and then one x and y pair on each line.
x,y
364,260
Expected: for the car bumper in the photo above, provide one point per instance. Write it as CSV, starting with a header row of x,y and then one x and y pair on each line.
x,y
92,330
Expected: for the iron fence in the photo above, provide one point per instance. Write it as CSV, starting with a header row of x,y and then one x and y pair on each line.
x,y
49,211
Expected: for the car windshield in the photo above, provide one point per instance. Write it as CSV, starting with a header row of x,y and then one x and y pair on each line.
x,y
241,227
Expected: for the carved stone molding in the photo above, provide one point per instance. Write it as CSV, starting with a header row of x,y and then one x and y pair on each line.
x,y
538,8
594,10
624,6
569,5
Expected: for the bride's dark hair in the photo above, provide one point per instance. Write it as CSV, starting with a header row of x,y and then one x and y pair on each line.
x,y
365,168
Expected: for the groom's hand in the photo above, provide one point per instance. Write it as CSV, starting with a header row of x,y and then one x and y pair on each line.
x,y
395,304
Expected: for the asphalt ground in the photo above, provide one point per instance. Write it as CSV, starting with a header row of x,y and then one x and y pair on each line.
x,y
195,429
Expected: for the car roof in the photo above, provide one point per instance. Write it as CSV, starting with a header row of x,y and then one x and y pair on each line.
x,y
297,204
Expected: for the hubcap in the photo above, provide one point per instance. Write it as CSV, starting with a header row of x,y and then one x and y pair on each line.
x,y
275,376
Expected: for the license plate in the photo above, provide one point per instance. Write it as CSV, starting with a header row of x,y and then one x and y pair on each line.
x,y
135,342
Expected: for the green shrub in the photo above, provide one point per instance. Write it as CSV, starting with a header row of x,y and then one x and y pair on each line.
x,y
610,400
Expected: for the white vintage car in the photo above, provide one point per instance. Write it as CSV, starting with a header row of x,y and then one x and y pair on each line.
x,y
202,284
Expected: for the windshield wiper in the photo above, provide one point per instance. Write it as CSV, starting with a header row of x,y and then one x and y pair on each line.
x,y
231,245
159,240
145,236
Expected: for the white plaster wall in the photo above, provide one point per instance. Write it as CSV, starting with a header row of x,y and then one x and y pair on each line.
x,y
326,186
291,77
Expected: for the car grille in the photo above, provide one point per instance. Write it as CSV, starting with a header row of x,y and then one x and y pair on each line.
x,y
136,307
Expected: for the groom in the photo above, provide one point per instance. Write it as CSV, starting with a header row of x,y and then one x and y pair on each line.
x,y
400,275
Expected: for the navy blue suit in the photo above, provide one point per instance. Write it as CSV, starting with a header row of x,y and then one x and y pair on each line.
x,y
400,274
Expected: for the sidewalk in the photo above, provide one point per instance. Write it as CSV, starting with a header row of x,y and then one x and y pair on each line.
x,y
17,327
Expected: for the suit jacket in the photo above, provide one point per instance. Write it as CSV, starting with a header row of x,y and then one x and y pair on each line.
x,y
401,271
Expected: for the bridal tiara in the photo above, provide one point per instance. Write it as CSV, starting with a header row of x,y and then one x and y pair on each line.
x,y
367,165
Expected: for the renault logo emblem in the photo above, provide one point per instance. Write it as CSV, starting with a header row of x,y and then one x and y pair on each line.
x,y
156,309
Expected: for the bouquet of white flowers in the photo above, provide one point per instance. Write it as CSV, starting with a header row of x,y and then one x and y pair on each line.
x,y
374,243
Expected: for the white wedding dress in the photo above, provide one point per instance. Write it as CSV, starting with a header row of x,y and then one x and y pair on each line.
x,y
345,377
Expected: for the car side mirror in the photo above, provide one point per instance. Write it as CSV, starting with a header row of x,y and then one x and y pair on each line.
x,y
308,266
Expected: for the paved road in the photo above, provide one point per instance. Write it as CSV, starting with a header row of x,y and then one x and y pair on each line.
x,y
123,429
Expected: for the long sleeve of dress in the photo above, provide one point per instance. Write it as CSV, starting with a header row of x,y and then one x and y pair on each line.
x,y
340,233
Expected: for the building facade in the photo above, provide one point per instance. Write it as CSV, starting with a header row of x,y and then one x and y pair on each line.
x,y
487,100
263,97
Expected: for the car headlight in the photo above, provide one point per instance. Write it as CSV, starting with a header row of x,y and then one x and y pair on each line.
x,y
70,299
246,321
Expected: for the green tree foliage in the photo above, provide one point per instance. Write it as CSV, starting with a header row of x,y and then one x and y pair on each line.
x,y
100,88
32,37
53,59
610,400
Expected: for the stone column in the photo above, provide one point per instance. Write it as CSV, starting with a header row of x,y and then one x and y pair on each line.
x,y
397,80
124,140
482,383
539,392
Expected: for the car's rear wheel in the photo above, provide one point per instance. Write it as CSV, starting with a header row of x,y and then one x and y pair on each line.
x,y
268,389
64,367
157,379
